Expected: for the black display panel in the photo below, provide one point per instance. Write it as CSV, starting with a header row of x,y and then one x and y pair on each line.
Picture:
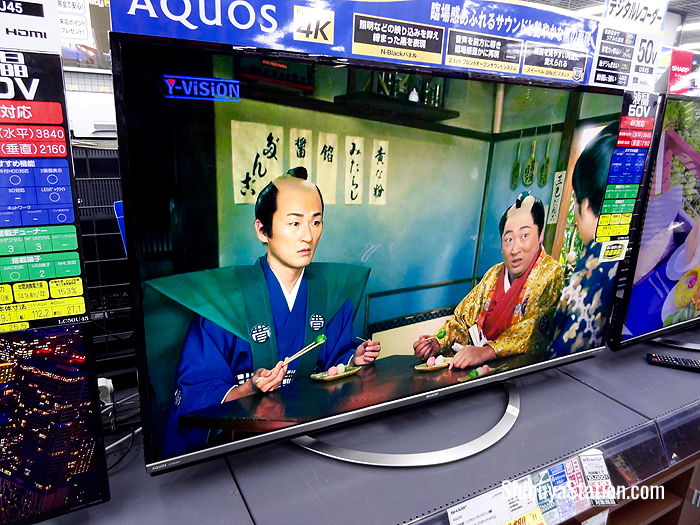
x,y
461,250
53,458
664,294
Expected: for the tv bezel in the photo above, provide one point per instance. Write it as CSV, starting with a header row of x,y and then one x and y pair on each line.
x,y
164,465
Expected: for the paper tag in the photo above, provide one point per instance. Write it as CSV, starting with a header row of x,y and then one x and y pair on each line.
x,y
510,503
488,509
544,490
521,497
597,478
569,489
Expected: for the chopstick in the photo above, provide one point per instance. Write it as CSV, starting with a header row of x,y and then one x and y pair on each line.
x,y
363,340
301,352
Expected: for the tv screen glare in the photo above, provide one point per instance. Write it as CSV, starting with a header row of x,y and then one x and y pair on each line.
x,y
666,292
317,241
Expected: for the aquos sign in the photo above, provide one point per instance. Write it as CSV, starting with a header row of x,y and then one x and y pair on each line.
x,y
193,14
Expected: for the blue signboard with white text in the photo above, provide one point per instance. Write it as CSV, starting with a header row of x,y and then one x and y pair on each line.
x,y
495,37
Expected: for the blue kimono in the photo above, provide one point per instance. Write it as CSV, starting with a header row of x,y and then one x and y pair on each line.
x,y
584,304
213,359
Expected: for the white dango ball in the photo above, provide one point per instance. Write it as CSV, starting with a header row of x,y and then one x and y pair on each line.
x,y
440,360
341,368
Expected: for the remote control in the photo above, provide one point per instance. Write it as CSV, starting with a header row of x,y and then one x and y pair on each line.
x,y
674,362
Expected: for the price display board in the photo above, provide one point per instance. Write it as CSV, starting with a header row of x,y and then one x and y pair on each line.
x,y
41,280
639,110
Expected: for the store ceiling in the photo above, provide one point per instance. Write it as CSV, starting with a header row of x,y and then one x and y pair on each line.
x,y
688,8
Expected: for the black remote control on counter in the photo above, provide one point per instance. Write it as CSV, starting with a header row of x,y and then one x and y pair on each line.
x,y
674,362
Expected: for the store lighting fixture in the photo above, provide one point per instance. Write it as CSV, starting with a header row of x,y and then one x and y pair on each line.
x,y
690,45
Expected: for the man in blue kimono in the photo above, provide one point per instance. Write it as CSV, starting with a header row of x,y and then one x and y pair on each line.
x,y
585,302
248,319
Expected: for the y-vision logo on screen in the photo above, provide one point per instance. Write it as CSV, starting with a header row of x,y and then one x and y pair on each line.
x,y
199,88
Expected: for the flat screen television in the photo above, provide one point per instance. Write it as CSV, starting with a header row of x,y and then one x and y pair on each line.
x,y
448,222
665,295
52,459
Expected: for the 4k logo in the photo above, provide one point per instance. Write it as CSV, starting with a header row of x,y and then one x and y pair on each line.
x,y
314,25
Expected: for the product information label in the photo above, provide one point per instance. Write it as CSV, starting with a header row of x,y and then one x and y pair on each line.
x,y
40,263
388,38
626,171
483,52
597,478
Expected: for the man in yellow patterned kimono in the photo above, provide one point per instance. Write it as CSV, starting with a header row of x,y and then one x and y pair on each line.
x,y
509,312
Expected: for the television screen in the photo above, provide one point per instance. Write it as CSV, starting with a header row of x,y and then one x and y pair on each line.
x,y
317,241
52,459
666,291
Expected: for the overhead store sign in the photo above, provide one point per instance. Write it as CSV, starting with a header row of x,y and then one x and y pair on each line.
x,y
501,38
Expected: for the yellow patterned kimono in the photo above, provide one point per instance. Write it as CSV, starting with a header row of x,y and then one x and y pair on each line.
x,y
531,319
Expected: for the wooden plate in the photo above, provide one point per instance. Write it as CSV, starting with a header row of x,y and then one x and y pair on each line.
x,y
323,376
425,368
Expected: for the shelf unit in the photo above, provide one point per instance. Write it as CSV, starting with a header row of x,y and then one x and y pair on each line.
x,y
107,280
